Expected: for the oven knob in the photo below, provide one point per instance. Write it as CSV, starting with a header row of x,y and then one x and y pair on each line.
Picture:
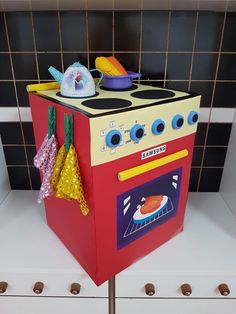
x,y
136,132
158,126
177,121
192,117
113,138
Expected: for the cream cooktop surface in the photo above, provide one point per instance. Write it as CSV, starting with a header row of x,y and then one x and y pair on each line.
x,y
103,102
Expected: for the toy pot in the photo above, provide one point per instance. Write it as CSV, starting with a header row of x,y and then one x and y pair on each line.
x,y
119,82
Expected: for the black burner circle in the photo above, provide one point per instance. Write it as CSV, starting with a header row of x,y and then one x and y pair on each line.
x,y
153,94
133,87
107,103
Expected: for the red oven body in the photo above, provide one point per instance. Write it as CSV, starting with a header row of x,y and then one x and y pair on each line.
x,y
93,239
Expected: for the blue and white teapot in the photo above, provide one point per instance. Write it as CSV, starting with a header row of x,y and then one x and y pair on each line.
x,y
77,81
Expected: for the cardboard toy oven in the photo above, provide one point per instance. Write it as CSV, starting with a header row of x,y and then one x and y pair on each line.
x,y
134,149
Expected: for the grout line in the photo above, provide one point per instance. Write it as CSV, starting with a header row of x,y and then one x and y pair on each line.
x,y
34,44
113,27
194,44
212,97
144,80
9,145
60,39
142,5
167,46
27,80
16,95
123,51
213,146
140,45
87,33
20,166
207,167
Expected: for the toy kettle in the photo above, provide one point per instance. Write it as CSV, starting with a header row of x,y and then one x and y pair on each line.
x,y
75,82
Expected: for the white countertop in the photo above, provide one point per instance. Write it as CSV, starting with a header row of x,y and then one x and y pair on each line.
x,y
26,242
209,236
31,252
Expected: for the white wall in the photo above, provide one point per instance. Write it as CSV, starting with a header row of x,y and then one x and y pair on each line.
x,y
228,182
4,181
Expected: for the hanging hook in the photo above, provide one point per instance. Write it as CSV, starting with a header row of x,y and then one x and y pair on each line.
x,y
71,128
68,131
51,121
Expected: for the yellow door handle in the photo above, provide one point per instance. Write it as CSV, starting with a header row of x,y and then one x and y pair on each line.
x,y
135,171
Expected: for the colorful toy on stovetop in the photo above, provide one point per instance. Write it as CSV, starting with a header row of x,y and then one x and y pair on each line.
x,y
115,77
75,82
109,66
46,156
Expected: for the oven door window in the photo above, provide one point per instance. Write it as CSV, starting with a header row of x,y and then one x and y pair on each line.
x,y
147,206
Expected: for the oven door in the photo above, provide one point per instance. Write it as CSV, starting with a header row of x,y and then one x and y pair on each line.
x,y
139,204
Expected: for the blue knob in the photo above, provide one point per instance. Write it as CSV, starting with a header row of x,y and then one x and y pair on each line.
x,y
192,117
177,121
136,132
158,126
113,138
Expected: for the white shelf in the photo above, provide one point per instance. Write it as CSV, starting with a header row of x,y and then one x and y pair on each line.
x,y
175,306
4,181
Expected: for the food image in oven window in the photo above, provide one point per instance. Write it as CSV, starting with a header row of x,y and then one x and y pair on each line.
x,y
149,211
152,206
147,206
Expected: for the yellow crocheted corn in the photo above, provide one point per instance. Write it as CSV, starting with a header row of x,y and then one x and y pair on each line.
x,y
106,67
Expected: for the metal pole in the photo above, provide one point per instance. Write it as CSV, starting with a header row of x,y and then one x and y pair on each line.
x,y
112,296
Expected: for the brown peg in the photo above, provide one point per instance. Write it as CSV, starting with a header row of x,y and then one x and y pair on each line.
x,y
75,288
224,289
38,287
186,289
3,286
150,289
